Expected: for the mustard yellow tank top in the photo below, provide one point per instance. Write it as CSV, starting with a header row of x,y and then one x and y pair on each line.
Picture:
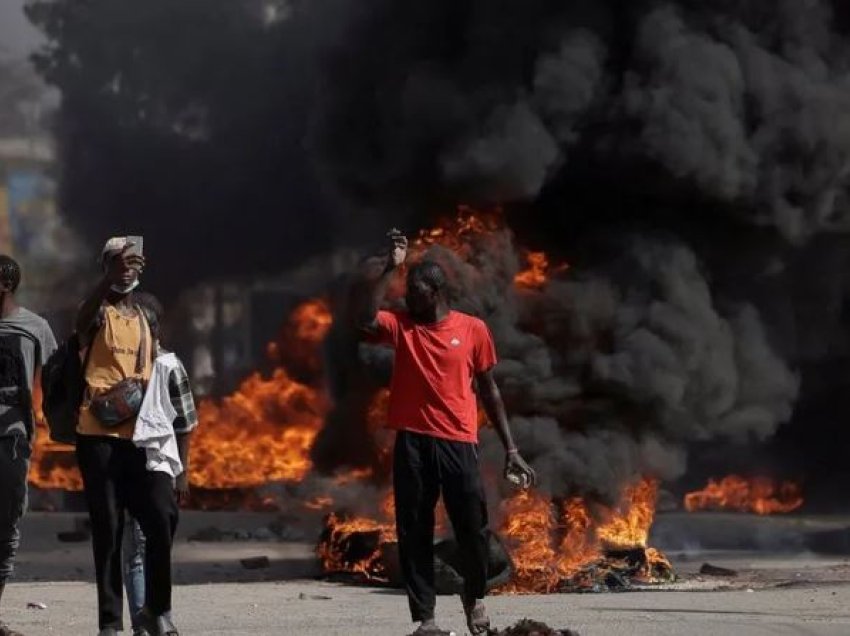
x,y
113,357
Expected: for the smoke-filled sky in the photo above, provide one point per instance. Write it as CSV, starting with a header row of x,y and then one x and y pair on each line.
x,y
691,159
684,156
17,36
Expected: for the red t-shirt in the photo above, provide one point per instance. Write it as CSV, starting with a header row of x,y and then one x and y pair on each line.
x,y
431,390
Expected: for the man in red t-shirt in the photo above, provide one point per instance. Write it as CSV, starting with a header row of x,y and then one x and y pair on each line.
x,y
440,354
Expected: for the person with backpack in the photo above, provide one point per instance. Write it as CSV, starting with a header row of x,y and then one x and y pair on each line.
x,y
119,353
165,433
26,342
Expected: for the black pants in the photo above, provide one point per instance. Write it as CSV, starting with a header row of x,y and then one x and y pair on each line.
x,y
115,478
424,467
14,462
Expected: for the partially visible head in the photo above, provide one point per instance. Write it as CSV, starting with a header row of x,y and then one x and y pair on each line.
x,y
10,274
426,289
112,249
153,310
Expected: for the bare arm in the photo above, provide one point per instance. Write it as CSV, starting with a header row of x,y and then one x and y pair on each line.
x,y
378,273
491,398
181,485
494,406
117,270
183,442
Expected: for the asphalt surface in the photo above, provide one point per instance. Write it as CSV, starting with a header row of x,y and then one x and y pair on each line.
x,y
785,591
308,607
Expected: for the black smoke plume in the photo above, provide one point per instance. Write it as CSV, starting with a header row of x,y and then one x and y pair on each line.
x,y
684,157
688,159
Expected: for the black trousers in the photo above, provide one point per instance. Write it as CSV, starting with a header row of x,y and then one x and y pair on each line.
x,y
14,462
423,468
115,478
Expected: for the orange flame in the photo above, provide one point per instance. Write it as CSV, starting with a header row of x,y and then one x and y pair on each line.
x,y
261,433
298,347
629,526
333,551
759,495
312,320
52,465
340,530
535,276
550,543
264,431
529,524
455,234
538,271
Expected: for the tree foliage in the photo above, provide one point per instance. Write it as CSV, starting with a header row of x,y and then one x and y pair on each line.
x,y
184,121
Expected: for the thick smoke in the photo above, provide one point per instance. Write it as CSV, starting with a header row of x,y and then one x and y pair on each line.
x,y
683,156
689,159
613,374
608,374
744,103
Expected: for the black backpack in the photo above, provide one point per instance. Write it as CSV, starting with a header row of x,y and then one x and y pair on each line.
x,y
62,385
14,383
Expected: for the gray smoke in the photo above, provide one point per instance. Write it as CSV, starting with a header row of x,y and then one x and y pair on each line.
x,y
745,103
753,112
611,375
718,137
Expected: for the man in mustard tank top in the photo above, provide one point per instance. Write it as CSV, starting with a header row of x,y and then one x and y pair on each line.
x,y
118,359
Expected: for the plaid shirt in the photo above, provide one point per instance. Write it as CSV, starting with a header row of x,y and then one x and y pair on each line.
x,y
180,392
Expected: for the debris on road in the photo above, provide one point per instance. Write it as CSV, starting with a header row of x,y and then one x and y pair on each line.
x,y
527,627
255,563
38,606
313,597
713,570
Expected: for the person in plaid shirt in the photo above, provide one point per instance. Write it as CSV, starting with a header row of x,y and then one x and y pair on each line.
x,y
180,392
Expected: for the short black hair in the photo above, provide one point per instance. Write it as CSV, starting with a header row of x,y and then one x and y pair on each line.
x,y
10,272
431,273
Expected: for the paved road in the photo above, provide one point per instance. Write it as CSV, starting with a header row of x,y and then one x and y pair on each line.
x,y
322,609
793,593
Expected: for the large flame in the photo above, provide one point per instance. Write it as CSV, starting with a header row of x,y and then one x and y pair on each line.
x,y
298,347
551,542
758,494
261,433
628,525
455,233
52,465
265,430
334,550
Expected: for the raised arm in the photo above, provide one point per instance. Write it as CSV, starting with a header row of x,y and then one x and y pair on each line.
x,y
378,272
491,398
117,272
